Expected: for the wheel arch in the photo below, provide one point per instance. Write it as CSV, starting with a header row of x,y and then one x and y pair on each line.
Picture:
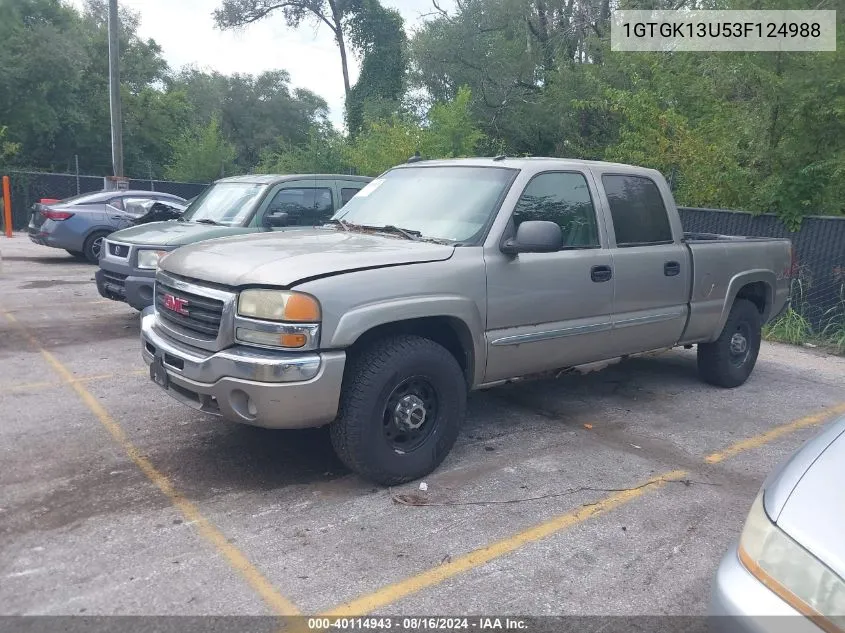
x,y
453,329
757,286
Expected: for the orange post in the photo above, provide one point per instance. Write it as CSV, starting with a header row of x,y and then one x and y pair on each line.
x,y
7,206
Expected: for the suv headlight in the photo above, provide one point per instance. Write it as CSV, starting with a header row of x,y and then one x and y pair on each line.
x,y
278,318
790,571
149,258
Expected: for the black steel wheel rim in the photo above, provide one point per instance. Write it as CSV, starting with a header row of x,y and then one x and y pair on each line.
x,y
410,414
740,344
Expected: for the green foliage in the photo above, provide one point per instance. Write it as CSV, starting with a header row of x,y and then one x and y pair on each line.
x,y
7,148
324,152
378,35
201,154
452,131
790,327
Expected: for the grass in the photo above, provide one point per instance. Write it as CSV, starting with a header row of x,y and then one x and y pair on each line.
x,y
794,328
790,327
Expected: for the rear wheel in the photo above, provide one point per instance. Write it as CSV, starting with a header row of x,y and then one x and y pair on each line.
x,y
729,360
402,405
77,254
94,246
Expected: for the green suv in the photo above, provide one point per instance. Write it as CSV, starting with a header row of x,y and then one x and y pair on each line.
x,y
230,206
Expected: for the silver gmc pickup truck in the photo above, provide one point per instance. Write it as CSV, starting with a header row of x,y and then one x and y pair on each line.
x,y
445,276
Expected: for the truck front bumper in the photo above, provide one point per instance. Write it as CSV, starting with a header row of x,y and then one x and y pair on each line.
x,y
277,390
120,282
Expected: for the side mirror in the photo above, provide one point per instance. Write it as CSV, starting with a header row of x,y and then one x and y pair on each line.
x,y
277,219
535,236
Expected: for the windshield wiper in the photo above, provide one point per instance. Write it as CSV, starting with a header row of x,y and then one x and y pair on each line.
x,y
389,228
341,223
208,221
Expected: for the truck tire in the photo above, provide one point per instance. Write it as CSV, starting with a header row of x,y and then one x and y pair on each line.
x,y
401,408
93,245
729,360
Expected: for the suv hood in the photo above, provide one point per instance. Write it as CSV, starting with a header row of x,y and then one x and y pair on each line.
x,y
814,513
283,258
174,233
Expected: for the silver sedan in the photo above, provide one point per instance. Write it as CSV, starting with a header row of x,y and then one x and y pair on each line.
x,y
79,224
790,557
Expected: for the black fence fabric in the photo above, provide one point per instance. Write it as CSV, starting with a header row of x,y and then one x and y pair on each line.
x,y
28,187
818,286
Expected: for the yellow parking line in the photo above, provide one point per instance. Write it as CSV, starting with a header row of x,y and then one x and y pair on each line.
x,y
482,556
26,386
779,431
236,559
396,591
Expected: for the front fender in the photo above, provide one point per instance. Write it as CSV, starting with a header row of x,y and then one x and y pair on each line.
x,y
357,321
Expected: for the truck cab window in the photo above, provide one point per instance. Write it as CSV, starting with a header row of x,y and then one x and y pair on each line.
x,y
346,194
305,206
636,206
562,198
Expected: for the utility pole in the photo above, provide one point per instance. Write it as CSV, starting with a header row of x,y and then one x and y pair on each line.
x,y
114,91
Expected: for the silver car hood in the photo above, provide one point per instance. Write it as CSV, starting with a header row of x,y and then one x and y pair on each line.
x,y
814,513
284,258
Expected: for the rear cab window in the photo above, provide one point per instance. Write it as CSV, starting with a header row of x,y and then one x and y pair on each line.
x,y
347,193
637,209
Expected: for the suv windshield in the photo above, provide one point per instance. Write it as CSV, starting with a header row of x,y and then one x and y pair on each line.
x,y
228,203
449,203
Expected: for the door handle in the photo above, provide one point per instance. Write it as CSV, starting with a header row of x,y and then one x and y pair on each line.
x,y
671,269
116,217
601,273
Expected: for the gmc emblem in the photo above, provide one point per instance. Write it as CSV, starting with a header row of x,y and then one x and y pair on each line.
x,y
176,304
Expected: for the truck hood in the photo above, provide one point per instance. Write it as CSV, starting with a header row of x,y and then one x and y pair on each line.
x,y
174,233
284,258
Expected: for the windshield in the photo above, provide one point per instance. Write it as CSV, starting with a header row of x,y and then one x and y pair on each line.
x,y
228,203
450,203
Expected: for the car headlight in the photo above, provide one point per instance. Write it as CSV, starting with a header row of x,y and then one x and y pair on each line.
x,y
278,318
279,305
149,258
790,571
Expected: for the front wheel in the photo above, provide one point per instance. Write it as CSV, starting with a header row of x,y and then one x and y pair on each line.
x,y
729,360
401,408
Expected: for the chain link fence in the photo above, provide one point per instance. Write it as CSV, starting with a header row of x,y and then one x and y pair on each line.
x,y
818,275
29,187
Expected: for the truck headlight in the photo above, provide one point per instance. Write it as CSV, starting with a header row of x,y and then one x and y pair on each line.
x,y
790,571
279,305
150,258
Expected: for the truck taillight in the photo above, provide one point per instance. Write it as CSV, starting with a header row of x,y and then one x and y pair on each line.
x,y
56,215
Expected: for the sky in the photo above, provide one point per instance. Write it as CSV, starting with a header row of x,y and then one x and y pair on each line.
x,y
185,30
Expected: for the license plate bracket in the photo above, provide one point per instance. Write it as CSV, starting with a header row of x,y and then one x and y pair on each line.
x,y
158,374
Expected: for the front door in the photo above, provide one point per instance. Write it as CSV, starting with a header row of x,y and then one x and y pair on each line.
x,y
301,203
551,310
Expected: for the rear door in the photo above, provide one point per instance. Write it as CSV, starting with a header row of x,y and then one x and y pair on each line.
x,y
651,266
347,190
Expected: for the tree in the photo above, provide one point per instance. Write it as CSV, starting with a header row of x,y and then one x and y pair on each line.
x,y
332,13
378,35
201,154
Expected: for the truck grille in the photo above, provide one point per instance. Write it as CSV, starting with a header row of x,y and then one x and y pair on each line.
x,y
115,282
119,250
198,314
